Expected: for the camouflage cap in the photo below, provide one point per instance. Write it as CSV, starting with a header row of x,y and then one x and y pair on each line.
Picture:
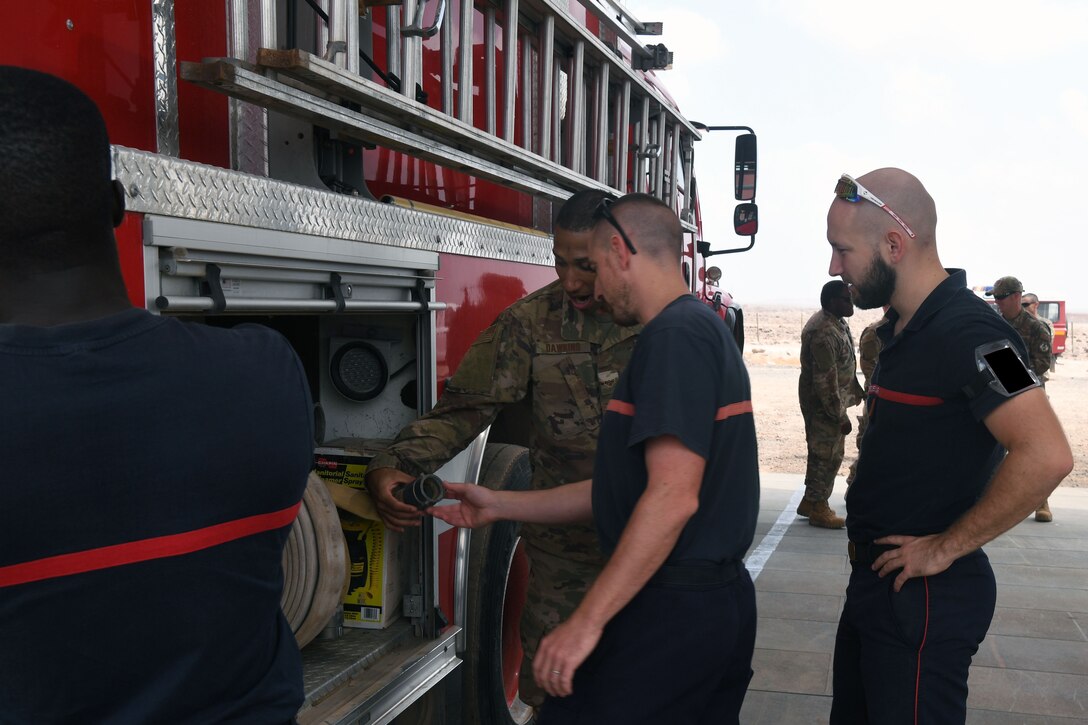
x,y
1005,286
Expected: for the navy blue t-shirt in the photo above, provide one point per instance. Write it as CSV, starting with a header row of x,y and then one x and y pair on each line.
x,y
927,456
686,378
130,428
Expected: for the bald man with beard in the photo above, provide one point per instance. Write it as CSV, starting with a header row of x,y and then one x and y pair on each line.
x,y
962,444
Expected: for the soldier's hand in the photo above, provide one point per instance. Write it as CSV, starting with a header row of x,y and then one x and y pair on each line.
x,y
476,506
382,482
845,427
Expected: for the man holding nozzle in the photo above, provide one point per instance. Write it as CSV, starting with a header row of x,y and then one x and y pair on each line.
x,y
674,497
558,350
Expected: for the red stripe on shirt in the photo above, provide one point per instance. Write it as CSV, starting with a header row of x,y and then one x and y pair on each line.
x,y
728,411
904,398
132,552
621,407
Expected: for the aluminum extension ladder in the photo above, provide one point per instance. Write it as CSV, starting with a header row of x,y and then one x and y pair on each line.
x,y
588,112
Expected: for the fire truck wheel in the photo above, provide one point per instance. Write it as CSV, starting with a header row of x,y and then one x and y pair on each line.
x,y
497,580
735,320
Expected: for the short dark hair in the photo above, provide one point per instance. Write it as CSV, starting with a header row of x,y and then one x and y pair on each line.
x,y
831,289
657,227
55,182
578,212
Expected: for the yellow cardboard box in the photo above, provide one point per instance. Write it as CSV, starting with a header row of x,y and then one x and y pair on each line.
x,y
374,589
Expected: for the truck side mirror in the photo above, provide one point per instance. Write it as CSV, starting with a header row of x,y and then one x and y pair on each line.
x,y
746,219
744,160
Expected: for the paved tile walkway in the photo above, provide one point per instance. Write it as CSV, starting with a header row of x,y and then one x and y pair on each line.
x,y
1031,669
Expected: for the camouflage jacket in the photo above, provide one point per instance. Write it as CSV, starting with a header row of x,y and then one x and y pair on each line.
x,y
1037,339
566,365
828,384
869,350
1049,326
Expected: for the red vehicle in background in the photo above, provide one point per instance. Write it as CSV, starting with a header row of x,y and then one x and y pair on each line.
x,y
377,180
1054,311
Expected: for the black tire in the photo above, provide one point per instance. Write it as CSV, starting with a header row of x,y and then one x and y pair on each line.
x,y
504,467
735,320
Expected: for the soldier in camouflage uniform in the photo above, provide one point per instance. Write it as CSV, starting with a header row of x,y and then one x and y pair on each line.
x,y
827,388
1030,302
1008,293
868,352
558,349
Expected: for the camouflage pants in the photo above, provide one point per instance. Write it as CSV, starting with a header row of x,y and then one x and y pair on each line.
x,y
556,586
826,445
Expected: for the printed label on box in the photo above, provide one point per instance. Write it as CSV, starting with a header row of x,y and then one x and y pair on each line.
x,y
374,589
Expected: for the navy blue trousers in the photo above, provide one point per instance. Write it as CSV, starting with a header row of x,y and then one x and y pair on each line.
x,y
903,657
672,655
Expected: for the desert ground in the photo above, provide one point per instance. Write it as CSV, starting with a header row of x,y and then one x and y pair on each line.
x,y
772,347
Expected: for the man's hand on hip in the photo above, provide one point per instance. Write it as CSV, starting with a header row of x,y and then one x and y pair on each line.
x,y
915,556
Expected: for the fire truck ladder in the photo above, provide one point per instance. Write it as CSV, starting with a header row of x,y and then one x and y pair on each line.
x,y
568,111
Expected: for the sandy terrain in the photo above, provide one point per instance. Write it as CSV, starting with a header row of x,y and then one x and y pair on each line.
x,y
771,351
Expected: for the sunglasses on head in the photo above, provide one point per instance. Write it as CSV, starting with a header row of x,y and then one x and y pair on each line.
x,y
848,189
604,211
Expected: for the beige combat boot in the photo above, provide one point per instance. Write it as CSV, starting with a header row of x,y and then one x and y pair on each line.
x,y
820,514
1043,513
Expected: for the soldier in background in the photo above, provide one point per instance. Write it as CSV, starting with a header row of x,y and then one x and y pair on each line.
x,y
1008,293
1030,302
561,352
827,388
868,352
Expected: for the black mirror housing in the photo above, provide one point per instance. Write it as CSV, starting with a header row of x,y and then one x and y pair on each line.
x,y
744,160
746,219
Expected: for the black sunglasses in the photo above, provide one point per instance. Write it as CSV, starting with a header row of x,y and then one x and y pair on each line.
x,y
603,211
1001,297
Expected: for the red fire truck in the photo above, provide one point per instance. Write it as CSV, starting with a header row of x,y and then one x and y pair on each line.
x,y
376,180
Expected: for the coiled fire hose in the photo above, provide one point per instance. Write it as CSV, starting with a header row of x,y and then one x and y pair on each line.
x,y
315,558
315,564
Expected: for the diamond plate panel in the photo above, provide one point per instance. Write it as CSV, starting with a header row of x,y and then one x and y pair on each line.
x,y
166,84
157,184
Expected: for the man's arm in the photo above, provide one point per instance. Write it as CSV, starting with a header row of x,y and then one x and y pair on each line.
x,y
494,373
1038,459
478,506
671,498
868,350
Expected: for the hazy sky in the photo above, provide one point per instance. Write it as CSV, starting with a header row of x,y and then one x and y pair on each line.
x,y
985,102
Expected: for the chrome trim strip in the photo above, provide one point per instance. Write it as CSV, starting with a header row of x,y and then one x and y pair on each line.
x,y
464,542
241,304
164,56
